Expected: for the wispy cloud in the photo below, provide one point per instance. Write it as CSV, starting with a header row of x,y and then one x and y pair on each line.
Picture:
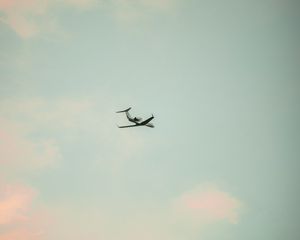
x,y
25,17
208,204
29,18
19,151
192,215
18,218
22,152
22,120
21,233
15,202
19,15
45,113
76,118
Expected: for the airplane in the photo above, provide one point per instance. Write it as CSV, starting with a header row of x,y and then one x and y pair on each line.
x,y
136,120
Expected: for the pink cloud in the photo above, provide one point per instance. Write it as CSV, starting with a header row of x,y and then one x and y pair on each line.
x,y
15,201
209,204
19,220
18,14
21,234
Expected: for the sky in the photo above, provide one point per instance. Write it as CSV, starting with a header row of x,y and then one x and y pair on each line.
x,y
220,77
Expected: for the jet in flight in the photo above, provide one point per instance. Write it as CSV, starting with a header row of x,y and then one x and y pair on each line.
x,y
136,120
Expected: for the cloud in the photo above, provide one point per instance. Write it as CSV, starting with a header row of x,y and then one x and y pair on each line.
x,y
18,218
25,145
25,17
208,204
19,151
100,221
192,215
15,201
26,126
19,15
30,129
76,118
29,18
21,234
54,114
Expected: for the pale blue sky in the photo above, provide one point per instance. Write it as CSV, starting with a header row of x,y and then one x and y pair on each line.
x,y
221,78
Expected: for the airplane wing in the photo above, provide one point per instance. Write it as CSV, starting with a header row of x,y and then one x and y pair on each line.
x,y
128,126
126,110
146,121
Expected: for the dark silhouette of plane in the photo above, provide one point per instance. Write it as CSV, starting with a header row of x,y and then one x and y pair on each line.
x,y
136,120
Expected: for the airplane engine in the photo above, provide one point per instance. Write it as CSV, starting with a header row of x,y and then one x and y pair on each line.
x,y
137,119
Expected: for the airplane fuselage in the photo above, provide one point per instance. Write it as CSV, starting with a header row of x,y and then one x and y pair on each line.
x,y
136,120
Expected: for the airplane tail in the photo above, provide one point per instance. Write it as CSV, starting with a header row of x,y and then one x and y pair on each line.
x,y
126,110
